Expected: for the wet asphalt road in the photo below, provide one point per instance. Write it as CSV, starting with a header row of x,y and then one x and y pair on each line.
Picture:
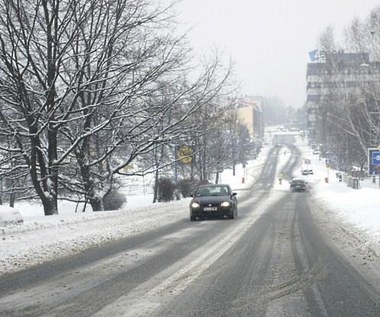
x,y
272,261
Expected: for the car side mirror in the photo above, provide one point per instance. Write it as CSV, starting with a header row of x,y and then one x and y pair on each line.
x,y
234,194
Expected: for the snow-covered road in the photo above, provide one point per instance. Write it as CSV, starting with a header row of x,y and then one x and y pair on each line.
x,y
351,217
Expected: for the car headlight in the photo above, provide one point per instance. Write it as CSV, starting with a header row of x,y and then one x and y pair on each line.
x,y
225,204
195,205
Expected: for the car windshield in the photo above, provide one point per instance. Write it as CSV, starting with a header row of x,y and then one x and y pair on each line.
x,y
212,191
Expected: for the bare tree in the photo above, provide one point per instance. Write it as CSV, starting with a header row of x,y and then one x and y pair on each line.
x,y
327,39
76,80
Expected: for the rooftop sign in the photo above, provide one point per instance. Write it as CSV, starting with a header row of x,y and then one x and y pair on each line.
x,y
320,55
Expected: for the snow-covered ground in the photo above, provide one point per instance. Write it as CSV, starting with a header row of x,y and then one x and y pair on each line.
x,y
350,216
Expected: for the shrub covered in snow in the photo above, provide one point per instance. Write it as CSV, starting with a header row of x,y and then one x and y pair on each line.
x,y
9,215
165,189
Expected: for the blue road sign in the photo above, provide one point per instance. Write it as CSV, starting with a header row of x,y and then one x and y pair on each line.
x,y
374,161
375,157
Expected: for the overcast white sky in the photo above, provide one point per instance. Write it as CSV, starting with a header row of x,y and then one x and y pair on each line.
x,y
268,40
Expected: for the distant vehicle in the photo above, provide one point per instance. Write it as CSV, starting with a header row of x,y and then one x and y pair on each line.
x,y
278,145
211,201
307,169
298,185
316,151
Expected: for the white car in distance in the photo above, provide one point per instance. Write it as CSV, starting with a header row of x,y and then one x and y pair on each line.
x,y
307,169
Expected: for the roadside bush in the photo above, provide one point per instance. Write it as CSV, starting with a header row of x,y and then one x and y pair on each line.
x,y
203,182
186,186
114,200
165,189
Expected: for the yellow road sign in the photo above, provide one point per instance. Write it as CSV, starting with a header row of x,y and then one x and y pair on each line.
x,y
185,154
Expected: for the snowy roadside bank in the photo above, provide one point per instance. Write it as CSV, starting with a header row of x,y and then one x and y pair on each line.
x,y
349,218
360,247
36,242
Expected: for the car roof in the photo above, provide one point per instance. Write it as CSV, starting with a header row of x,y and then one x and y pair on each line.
x,y
298,179
214,185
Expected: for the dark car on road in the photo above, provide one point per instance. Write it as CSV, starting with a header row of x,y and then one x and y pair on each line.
x,y
298,185
213,201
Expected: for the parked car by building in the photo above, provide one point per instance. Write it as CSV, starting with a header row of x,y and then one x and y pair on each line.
x,y
213,200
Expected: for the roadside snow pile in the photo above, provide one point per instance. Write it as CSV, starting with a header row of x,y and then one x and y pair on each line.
x,y
9,216
360,207
36,242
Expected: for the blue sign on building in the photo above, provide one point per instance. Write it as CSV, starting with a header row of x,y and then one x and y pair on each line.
x,y
374,161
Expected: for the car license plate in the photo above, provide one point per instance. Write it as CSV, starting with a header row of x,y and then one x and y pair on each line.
x,y
210,208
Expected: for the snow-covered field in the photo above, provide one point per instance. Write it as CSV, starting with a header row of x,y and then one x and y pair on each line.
x,y
350,216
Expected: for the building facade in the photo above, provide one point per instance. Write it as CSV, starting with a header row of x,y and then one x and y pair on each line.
x,y
250,114
338,75
337,84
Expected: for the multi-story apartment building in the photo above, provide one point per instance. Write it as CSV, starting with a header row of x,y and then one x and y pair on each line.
x,y
336,78
342,104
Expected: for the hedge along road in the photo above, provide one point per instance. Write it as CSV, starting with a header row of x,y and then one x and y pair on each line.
x,y
271,261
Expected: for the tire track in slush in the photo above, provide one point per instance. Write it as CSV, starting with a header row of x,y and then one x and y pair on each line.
x,y
152,295
275,285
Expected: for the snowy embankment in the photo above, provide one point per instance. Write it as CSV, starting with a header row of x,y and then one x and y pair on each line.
x,y
357,209
349,218
41,240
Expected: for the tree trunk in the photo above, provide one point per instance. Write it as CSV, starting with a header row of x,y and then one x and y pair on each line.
x,y
155,189
44,184
12,199
217,177
53,170
50,206
96,203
